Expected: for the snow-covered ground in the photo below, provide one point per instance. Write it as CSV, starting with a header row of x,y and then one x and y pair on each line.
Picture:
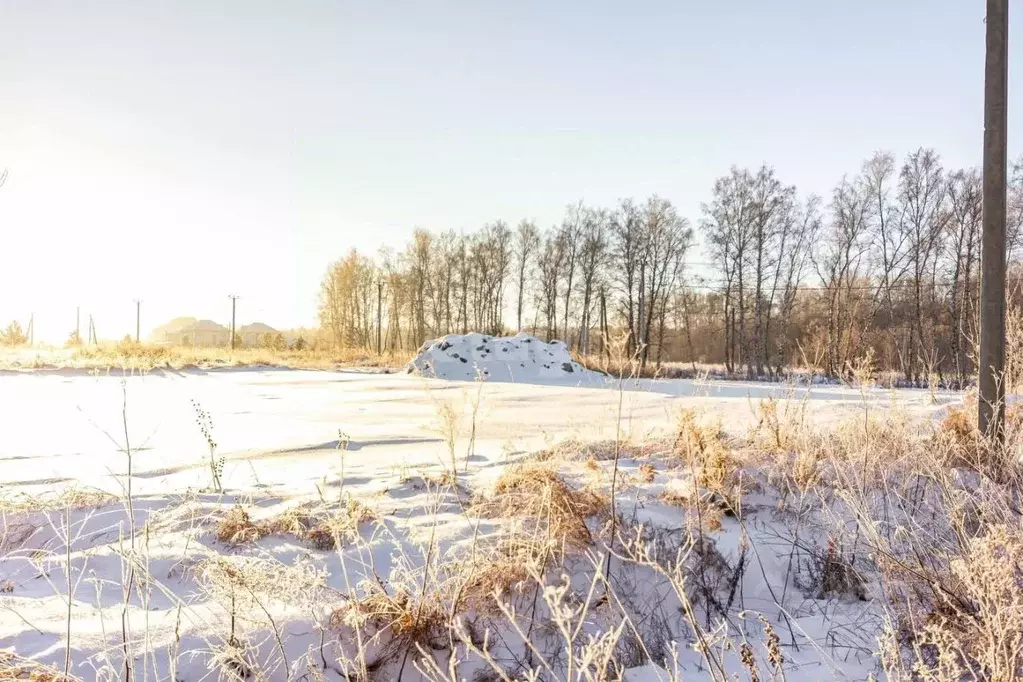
x,y
279,429
294,436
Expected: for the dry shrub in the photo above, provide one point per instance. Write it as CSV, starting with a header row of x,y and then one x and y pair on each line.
x,y
703,449
321,527
975,631
343,525
401,613
12,667
959,439
67,498
504,566
535,493
418,606
237,527
780,426
866,447
705,507
602,450
232,660
830,573
1013,377
647,472
959,427
400,619
249,589
838,577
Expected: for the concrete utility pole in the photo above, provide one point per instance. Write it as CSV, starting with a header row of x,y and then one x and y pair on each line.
x,y
991,405
234,300
31,329
380,298
138,316
78,324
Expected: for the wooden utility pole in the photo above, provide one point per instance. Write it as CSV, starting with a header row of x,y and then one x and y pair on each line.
x,y
380,317
138,311
234,300
991,405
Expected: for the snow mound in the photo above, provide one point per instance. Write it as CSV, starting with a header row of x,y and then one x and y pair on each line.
x,y
522,358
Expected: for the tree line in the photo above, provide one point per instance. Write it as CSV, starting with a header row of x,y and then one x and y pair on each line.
x,y
887,265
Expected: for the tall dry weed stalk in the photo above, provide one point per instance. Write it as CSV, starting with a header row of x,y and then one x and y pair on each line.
x,y
205,425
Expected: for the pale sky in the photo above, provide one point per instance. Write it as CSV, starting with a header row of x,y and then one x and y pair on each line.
x,y
182,151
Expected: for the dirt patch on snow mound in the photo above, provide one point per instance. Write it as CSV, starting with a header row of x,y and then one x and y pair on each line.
x,y
521,358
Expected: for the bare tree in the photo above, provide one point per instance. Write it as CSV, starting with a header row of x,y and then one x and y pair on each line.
x,y
727,226
771,215
841,254
896,252
527,241
921,195
667,237
890,245
627,236
345,308
963,248
799,233
571,230
592,259
550,259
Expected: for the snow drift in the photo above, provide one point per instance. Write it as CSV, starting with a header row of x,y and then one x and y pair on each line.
x,y
521,358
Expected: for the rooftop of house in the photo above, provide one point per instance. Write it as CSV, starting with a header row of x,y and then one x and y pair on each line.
x,y
187,325
256,328
181,325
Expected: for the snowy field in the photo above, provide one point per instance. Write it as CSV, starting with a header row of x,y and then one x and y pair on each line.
x,y
279,429
288,438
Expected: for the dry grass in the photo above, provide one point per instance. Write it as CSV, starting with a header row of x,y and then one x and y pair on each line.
x,y
58,500
573,449
964,446
144,357
504,567
429,607
407,618
973,630
256,576
703,450
324,527
534,493
14,668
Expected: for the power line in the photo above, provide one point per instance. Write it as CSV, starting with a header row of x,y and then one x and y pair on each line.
x,y
719,285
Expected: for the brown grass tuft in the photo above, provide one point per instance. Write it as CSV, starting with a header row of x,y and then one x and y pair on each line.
x,y
14,668
713,470
534,492
323,528
68,498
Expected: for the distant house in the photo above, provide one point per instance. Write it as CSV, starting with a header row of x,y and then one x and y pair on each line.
x,y
253,334
188,331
